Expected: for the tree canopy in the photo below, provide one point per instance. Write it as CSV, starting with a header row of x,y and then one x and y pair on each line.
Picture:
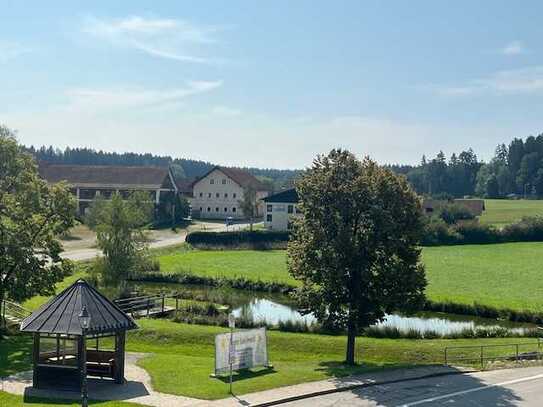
x,y
119,226
355,249
33,215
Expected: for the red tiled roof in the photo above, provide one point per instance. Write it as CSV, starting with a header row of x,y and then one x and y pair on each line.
x,y
242,177
105,175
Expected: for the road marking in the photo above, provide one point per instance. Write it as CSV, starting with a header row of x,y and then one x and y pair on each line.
x,y
459,393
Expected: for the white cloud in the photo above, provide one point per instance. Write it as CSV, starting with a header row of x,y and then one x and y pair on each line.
x,y
507,82
159,37
88,99
10,50
513,48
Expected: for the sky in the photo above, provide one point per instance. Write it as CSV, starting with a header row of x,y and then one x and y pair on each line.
x,y
272,84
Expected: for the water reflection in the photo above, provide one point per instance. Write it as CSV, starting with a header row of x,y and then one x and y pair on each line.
x,y
272,308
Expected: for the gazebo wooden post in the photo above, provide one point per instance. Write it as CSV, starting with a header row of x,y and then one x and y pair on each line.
x,y
119,356
35,360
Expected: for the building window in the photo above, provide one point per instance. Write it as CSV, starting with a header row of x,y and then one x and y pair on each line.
x,y
234,195
298,210
208,209
268,218
211,181
217,209
269,208
217,195
201,194
226,209
224,181
290,209
234,209
289,225
226,195
200,209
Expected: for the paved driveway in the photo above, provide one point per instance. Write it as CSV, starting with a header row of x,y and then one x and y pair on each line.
x,y
504,388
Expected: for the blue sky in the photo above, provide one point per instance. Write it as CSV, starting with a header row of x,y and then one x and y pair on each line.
x,y
272,84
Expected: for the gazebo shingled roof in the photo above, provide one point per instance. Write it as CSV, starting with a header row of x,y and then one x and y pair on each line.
x,y
60,314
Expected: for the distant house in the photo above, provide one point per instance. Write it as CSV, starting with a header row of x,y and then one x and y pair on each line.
x,y
475,206
280,209
87,182
216,194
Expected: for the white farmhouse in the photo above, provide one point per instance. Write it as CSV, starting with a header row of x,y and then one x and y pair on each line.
x,y
218,193
280,209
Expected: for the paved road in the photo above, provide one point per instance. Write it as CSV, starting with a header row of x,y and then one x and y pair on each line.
x,y
91,253
504,388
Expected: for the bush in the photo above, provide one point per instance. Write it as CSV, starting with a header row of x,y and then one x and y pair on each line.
x,y
255,239
452,213
529,229
437,232
474,232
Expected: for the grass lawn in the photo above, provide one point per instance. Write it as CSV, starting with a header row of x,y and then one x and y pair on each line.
x,y
12,400
504,275
35,302
182,357
267,265
501,212
179,349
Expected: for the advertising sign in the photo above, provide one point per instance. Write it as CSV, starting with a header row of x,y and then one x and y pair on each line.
x,y
249,349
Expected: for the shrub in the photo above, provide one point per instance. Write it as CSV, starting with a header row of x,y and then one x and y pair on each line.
x,y
529,229
437,232
474,232
451,213
255,239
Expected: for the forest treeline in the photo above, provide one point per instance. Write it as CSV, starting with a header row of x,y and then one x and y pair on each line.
x,y
181,167
516,169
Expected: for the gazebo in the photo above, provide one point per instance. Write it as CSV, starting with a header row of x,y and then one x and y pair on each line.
x,y
78,333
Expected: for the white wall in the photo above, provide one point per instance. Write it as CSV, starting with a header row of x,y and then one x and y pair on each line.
x,y
279,215
229,194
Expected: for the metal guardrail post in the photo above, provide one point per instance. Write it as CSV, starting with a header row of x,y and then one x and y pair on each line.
x,y
482,358
446,361
148,306
538,348
516,352
163,298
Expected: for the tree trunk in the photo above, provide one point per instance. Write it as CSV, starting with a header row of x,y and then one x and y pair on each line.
x,y
351,337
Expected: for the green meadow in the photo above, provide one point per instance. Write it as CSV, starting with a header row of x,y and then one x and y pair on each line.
x,y
501,212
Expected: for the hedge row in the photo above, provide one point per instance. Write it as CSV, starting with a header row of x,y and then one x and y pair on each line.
x,y
239,283
240,238
437,232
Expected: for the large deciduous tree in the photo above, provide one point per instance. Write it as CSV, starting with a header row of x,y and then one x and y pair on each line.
x,y
355,249
33,215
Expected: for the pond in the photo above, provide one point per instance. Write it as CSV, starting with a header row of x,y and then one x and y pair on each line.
x,y
273,308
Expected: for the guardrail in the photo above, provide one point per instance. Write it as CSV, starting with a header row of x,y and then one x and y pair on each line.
x,y
484,353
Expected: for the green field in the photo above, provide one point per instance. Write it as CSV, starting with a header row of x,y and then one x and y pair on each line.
x,y
502,212
267,265
181,357
504,275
